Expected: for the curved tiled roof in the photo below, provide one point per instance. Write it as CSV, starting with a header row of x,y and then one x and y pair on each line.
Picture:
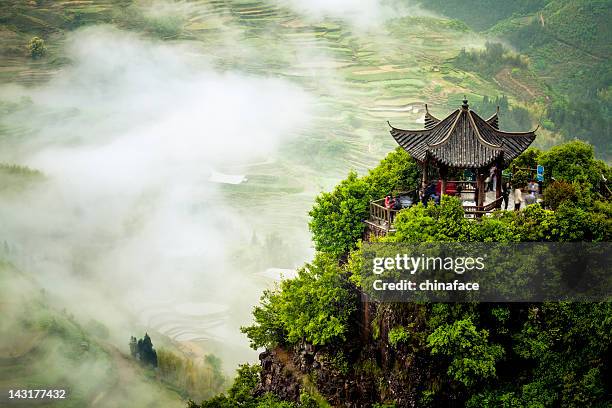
x,y
463,139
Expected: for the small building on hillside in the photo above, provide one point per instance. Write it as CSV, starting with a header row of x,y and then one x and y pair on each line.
x,y
463,141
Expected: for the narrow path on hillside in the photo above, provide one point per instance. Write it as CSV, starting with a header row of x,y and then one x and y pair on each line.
x,y
124,375
505,79
130,384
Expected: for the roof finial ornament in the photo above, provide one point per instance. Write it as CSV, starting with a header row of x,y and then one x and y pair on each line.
x,y
465,105
426,110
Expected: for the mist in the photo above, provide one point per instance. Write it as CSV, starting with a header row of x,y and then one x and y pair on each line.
x,y
172,169
128,222
362,15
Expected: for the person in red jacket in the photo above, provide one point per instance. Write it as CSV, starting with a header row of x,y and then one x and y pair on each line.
x,y
389,202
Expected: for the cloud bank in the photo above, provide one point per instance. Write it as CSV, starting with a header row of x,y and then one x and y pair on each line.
x,y
128,136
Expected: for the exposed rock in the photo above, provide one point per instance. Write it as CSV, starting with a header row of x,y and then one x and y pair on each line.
x,y
365,370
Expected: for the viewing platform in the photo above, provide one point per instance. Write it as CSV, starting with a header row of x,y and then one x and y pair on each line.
x,y
461,141
380,221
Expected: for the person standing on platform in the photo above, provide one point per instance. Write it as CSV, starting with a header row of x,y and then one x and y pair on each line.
x,y
530,199
518,198
492,178
506,188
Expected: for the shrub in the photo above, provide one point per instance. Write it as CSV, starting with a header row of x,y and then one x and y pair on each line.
x,y
557,192
431,223
473,358
37,48
315,306
398,335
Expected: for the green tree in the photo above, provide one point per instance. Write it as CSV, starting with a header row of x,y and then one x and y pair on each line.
x,y
315,306
472,357
432,223
37,47
528,159
337,217
573,161
143,350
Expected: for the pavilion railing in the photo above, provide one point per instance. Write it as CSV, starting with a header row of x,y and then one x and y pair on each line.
x,y
466,186
381,218
476,211
385,216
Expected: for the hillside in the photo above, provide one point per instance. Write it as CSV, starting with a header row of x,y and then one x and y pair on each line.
x,y
50,349
158,161
569,47
329,342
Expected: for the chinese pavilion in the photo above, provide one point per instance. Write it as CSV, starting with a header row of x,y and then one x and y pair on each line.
x,y
462,140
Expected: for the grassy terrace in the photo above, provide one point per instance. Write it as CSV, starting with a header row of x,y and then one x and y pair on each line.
x,y
359,79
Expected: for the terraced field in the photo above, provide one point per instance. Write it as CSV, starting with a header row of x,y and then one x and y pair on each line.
x,y
47,349
359,79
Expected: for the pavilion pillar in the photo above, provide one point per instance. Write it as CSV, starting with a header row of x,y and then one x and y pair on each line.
x,y
425,167
443,174
498,184
480,186
424,178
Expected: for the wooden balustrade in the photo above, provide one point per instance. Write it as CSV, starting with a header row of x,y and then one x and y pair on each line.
x,y
466,186
475,211
381,218
385,216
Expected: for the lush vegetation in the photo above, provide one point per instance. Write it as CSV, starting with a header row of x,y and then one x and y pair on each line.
x,y
143,351
514,118
489,60
568,46
482,14
315,307
485,355
337,217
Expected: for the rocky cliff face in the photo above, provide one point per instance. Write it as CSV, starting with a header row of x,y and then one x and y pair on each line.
x,y
359,373
304,369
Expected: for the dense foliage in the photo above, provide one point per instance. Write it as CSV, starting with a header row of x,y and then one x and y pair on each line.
x,y
489,60
315,306
514,118
143,351
569,48
472,357
483,355
482,14
337,216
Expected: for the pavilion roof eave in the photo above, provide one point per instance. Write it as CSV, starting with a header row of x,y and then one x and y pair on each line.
x,y
425,144
419,131
493,128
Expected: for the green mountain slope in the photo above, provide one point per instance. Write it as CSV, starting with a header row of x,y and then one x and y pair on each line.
x,y
569,44
46,348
